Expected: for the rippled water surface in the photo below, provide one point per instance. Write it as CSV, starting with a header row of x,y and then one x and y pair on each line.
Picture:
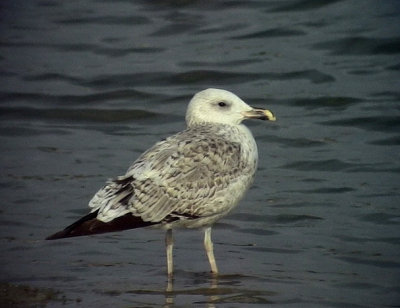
x,y
86,86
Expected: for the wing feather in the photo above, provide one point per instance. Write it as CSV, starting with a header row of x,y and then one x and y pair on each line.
x,y
189,174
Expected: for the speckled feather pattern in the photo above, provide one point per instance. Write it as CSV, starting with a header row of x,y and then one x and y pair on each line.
x,y
190,179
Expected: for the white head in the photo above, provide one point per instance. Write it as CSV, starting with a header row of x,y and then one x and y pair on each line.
x,y
221,106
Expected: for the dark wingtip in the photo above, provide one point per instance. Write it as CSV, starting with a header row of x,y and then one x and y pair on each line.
x,y
55,236
75,229
89,225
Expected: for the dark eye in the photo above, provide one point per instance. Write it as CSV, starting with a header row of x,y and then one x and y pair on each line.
x,y
222,104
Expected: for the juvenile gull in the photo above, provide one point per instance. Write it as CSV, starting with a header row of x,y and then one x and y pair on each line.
x,y
188,180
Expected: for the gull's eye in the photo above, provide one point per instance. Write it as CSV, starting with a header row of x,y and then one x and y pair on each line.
x,y
222,104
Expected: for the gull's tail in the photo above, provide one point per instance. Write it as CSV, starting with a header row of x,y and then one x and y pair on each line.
x,y
89,225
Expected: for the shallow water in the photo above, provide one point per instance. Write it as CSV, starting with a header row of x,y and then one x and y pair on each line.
x,y
86,87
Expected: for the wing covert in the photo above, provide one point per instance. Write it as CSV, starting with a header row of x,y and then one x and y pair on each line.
x,y
178,176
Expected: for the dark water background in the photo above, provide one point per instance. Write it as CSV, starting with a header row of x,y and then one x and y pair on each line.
x,y
86,86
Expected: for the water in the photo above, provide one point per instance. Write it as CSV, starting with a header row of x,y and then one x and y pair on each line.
x,y
87,86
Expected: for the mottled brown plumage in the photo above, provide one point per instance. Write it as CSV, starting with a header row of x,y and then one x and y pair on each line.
x,y
190,179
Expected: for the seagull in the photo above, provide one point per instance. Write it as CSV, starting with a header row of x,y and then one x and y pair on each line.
x,y
188,180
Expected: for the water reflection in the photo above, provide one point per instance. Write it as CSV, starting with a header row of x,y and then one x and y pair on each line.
x,y
169,296
209,291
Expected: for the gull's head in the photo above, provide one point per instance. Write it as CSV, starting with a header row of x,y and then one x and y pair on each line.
x,y
223,107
